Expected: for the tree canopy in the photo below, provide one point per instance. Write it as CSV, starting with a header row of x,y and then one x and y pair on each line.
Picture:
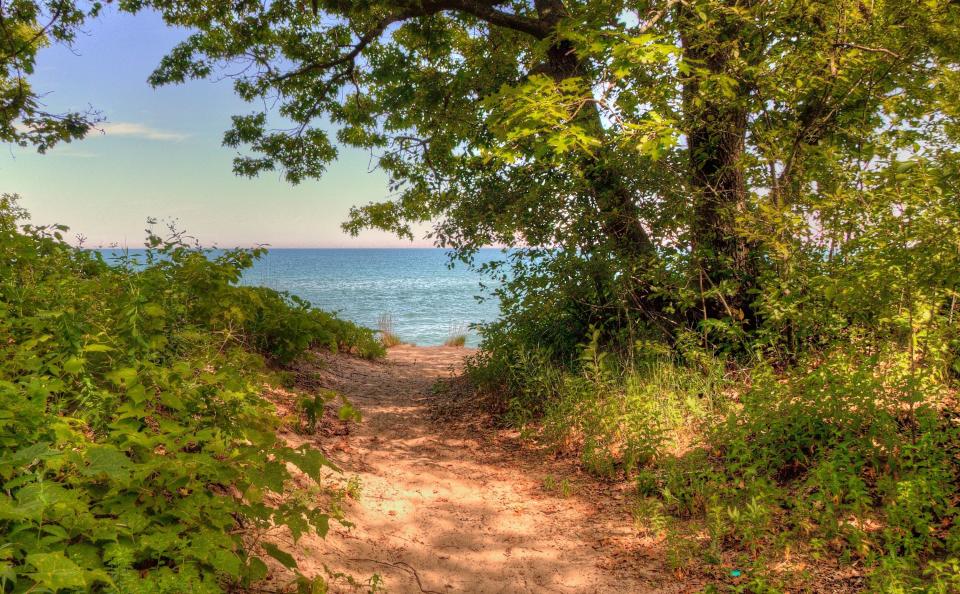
x,y
27,26
657,164
674,152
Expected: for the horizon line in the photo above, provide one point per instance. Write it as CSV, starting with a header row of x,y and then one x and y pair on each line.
x,y
303,247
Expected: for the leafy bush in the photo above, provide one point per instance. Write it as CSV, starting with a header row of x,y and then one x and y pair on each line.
x,y
817,417
136,450
283,326
619,415
847,454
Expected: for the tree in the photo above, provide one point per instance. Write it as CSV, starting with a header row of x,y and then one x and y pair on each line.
x,y
26,26
413,81
673,150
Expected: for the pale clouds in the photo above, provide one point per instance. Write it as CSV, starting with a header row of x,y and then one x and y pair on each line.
x,y
135,130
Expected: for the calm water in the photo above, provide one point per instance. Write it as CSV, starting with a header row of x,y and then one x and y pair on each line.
x,y
427,300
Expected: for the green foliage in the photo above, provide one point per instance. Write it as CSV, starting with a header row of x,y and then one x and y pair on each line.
x,y
136,449
830,431
736,266
561,487
846,454
312,406
620,417
661,167
354,488
28,27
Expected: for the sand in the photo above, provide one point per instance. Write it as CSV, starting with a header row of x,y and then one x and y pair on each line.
x,y
450,503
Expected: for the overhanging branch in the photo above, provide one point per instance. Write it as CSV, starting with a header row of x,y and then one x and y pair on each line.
x,y
484,11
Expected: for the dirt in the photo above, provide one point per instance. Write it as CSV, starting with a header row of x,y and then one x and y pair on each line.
x,y
450,503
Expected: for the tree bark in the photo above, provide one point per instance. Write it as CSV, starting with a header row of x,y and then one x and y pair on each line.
x,y
716,128
615,200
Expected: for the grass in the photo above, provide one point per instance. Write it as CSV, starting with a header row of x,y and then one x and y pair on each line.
x,y
457,337
388,337
843,457
561,487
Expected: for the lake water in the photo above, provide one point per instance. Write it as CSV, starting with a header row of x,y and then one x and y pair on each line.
x,y
427,300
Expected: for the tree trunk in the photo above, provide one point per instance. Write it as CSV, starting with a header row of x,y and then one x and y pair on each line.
x,y
716,130
615,200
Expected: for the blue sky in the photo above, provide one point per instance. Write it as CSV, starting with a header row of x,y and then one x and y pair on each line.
x,y
159,155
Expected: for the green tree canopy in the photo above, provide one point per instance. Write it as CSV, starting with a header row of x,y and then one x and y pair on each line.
x,y
27,26
656,159
664,147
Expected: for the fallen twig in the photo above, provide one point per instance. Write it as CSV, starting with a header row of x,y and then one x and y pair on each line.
x,y
401,565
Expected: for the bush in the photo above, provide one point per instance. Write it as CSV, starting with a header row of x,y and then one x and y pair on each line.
x,y
283,326
136,449
847,454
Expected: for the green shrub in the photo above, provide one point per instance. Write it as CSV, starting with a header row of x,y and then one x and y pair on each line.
x,y
136,449
850,452
283,326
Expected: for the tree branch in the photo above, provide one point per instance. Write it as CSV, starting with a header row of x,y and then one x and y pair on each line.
x,y
485,11
864,48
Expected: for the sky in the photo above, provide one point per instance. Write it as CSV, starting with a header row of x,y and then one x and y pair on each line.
x,y
159,154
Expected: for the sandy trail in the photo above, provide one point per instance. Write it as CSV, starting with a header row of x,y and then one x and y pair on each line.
x,y
462,509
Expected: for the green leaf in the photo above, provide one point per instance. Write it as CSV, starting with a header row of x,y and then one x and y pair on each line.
x,y
171,400
97,348
56,572
28,455
124,375
227,562
106,460
74,365
36,498
8,574
311,461
286,559
348,412
137,393
256,570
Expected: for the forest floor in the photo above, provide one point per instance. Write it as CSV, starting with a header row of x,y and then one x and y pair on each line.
x,y
448,502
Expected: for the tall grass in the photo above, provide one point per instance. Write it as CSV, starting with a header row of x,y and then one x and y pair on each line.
x,y
388,337
845,456
457,336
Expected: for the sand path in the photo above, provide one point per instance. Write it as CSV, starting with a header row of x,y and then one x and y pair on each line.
x,y
459,506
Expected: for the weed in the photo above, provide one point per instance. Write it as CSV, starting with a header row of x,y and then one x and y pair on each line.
x,y
456,337
562,487
388,337
354,488
649,516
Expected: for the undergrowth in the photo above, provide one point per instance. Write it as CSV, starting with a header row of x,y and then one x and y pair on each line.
x,y
849,455
137,453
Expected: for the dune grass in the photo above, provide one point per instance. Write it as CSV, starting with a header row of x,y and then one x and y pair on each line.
x,y
457,336
388,337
